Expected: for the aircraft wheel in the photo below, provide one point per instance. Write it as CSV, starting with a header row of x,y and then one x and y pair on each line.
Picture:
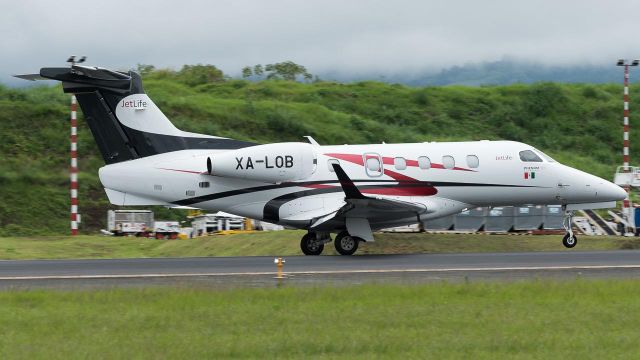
x,y
569,240
346,244
311,246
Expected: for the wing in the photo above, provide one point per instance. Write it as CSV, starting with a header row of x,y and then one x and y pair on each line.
x,y
360,210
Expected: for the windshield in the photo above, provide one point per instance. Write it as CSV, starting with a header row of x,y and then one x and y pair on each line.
x,y
529,156
545,156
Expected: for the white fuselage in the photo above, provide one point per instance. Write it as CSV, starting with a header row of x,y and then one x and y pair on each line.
x,y
483,173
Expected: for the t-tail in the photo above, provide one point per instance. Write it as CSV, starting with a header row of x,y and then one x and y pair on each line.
x,y
124,121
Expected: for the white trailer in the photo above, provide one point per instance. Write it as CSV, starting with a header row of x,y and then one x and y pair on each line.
x,y
220,221
130,222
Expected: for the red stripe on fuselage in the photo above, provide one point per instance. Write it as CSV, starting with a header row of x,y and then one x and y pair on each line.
x,y
401,189
353,158
386,160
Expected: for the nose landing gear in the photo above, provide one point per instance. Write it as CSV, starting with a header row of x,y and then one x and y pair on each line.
x,y
569,240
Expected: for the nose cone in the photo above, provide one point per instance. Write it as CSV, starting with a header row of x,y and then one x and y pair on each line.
x,y
580,187
611,192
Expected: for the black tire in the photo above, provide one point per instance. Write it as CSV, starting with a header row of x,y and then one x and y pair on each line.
x,y
569,242
346,244
310,246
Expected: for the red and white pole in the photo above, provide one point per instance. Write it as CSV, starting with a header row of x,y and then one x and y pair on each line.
x,y
626,203
625,144
73,170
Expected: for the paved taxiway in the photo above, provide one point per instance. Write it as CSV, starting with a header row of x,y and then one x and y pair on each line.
x,y
260,271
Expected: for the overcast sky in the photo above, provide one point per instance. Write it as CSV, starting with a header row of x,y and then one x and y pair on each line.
x,y
349,35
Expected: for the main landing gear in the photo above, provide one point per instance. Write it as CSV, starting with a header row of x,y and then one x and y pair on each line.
x,y
346,244
569,240
313,244
310,244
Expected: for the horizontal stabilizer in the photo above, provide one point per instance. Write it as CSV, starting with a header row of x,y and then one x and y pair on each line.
x,y
30,77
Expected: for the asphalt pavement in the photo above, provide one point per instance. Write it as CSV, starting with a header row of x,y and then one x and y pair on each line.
x,y
315,270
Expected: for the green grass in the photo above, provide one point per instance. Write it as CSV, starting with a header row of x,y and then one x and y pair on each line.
x,y
286,243
581,319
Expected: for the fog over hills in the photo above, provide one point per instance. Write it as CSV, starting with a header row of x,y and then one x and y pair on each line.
x,y
502,72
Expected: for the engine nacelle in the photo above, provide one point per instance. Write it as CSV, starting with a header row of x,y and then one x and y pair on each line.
x,y
275,163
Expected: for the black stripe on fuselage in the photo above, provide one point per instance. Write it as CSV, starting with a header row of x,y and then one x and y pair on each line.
x,y
271,211
148,144
224,194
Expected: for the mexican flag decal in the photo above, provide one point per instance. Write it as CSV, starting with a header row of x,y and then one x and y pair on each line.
x,y
529,174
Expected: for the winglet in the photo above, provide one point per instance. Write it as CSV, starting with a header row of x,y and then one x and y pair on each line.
x,y
349,188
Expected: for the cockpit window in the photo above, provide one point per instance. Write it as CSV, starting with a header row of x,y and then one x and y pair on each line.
x,y
529,156
545,156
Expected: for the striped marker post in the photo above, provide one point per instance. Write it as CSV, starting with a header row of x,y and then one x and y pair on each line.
x,y
625,143
73,170
626,203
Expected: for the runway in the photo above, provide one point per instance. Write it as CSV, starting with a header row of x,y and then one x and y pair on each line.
x,y
261,271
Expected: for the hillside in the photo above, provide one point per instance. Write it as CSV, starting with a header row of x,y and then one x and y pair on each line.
x,y
578,124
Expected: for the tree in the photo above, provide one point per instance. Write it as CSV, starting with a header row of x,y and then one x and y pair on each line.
x,y
145,69
246,72
287,70
258,70
200,74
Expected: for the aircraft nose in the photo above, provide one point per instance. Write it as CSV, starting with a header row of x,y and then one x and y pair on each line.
x,y
612,192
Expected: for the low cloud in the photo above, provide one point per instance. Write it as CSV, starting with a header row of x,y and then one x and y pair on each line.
x,y
326,36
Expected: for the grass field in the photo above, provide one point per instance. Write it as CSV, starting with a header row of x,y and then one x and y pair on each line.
x,y
285,243
581,319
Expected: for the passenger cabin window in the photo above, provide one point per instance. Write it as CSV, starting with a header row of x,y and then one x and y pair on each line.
x,y
529,156
373,165
473,161
400,163
448,162
330,163
204,184
424,163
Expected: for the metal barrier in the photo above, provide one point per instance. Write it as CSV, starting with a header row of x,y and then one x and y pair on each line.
x,y
528,217
501,219
470,220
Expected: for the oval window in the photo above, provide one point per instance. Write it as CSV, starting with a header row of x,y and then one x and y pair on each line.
x,y
473,161
424,163
400,163
448,162
330,163
373,164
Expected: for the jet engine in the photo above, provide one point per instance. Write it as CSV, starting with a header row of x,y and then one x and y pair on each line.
x,y
279,162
